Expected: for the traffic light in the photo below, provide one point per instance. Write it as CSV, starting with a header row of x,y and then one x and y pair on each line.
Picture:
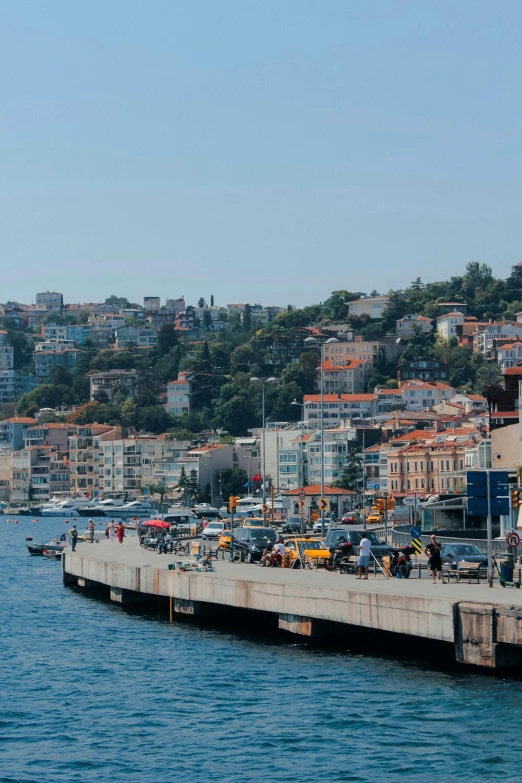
x,y
380,504
233,500
515,498
391,503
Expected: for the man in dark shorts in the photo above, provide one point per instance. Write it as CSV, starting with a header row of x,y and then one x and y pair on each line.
x,y
433,550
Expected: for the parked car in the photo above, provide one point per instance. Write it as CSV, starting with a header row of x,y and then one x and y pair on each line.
x,y
315,549
252,541
452,554
212,531
353,536
317,528
293,525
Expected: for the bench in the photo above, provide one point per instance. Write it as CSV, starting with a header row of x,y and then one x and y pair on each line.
x,y
468,571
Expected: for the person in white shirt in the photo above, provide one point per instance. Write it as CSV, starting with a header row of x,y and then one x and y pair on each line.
x,y
364,556
277,553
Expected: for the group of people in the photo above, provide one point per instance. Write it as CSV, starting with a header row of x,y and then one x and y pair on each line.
x,y
273,553
115,531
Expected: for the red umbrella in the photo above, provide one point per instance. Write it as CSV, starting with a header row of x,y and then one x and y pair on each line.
x,y
156,523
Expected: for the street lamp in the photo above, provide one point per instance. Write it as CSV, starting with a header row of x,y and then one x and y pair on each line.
x,y
302,405
263,382
312,342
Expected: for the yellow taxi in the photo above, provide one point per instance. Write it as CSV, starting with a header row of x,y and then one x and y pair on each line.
x,y
315,550
255,522
374,517
224,539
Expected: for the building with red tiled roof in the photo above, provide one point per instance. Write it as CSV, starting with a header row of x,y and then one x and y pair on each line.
x,y
12,431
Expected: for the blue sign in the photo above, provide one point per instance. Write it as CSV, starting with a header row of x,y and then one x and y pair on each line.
x,y
477,492
416,532
478,507
372,485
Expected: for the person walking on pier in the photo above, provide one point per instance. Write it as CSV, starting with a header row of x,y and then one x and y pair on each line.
x,y
74,537
364,556
110,528
433,550
120,532
91,531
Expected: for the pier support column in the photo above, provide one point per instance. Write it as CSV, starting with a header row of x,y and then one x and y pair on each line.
x,y
82,582
475,634
183,606
119,595
294,623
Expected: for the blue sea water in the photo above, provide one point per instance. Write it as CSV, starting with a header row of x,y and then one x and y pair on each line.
x,y
91,693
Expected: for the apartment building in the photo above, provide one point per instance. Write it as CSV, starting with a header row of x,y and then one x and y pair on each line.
x,y
431,463
49,300
338,407
346,378
54,434
113,381
152,303
484,340
73,334
12,431
175,305
86,456
129,464
365,350
417,395
262,316
140,336
6,474
46,360
179,395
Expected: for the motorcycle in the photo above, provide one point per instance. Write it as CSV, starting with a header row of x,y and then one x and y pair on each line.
x,y
339,558
400,562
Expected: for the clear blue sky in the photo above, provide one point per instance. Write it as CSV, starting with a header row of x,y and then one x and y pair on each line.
x,y
259,150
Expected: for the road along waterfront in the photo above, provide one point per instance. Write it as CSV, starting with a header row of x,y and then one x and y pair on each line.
x,y
90,692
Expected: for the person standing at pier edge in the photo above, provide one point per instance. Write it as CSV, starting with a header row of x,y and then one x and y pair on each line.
x,y
120,532
364,556
110,528
91,531
433,550
74,537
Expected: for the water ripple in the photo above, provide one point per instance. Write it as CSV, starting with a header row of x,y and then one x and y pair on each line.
x,y
90,694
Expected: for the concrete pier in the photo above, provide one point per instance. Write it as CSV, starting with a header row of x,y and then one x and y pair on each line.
x,y
483,625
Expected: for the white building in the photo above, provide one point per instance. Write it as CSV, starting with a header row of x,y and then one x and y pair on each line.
x,y
338,408
175,305
509,355
418,395
406,326
49,300
178,395
484,340
123,381
374,306
446,323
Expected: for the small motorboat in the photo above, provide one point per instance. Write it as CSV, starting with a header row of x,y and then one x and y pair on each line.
x,y
36,548
56,545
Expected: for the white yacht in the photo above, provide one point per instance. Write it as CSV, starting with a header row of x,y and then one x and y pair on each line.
x,y
136,508
64,507
103,508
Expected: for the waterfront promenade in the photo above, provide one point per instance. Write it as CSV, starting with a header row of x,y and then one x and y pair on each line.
x,y
484,625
